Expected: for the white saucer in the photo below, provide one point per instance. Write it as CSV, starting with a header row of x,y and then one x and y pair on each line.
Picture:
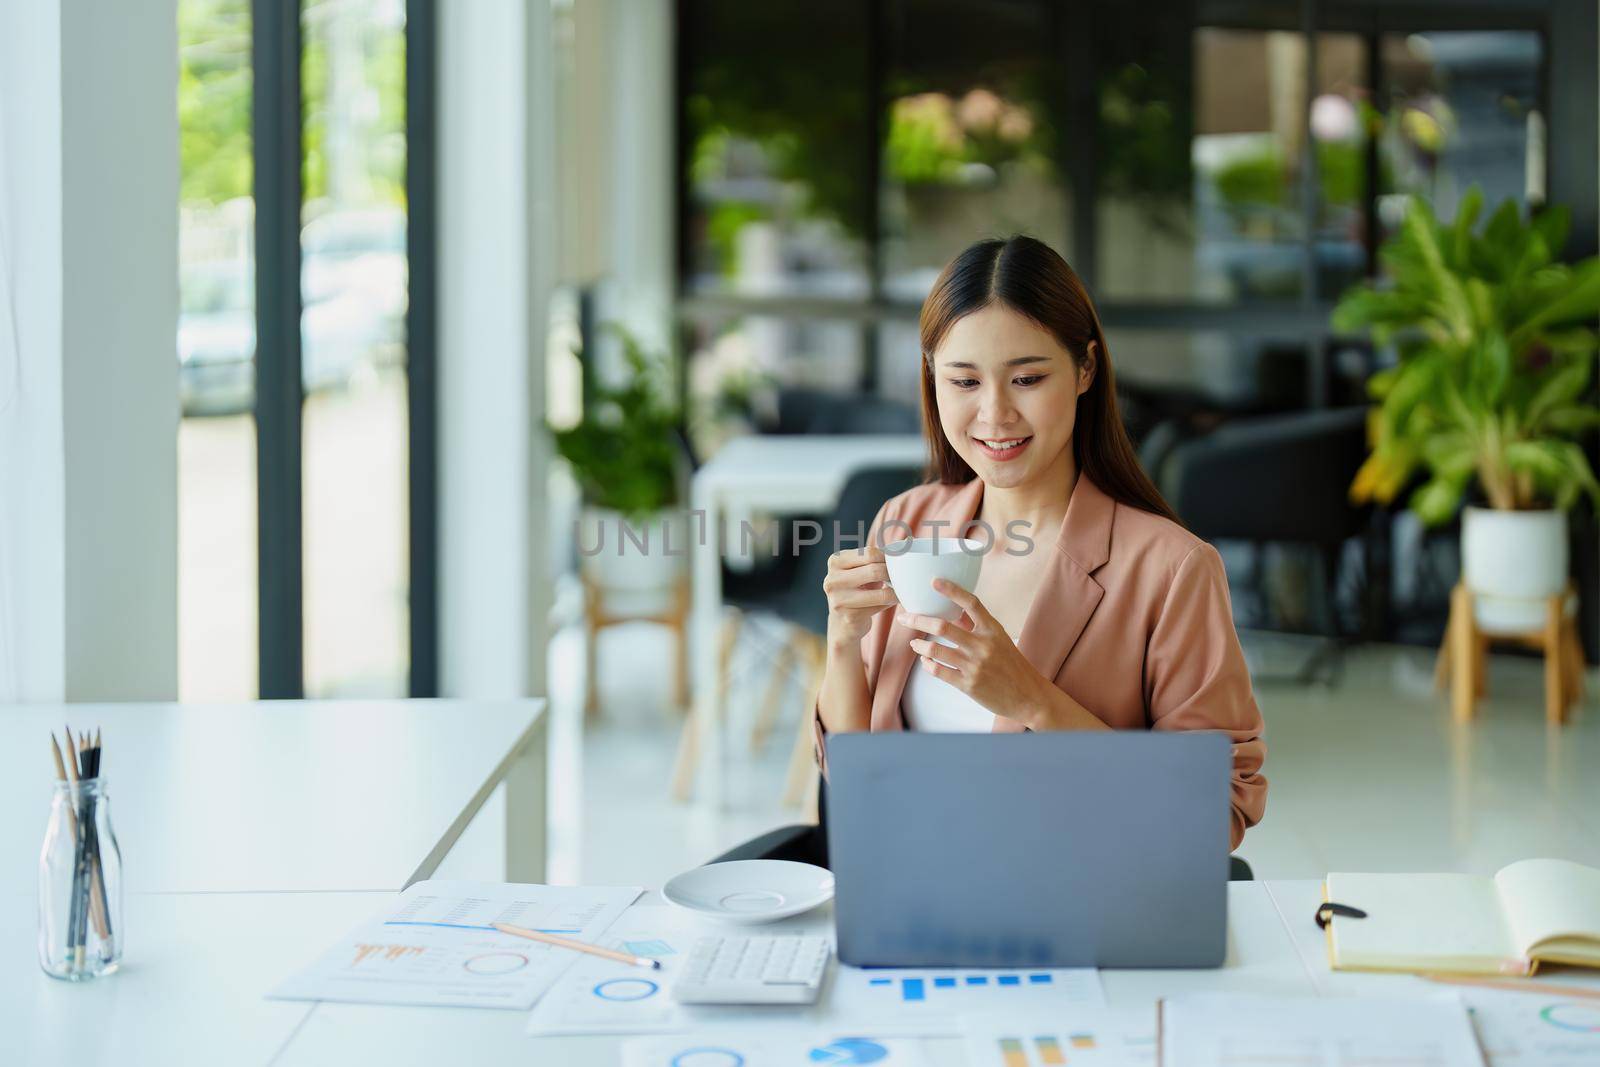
x,y
750,891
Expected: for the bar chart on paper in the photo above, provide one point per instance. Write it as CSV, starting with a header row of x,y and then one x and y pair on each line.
x,y
948,990
1082,1039
1047,1050
924,996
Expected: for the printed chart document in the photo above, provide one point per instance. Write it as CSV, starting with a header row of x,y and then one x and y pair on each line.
x,y
1082,1038
437,946
599,996
930,1001
1537,1029
749,1049
1224,1030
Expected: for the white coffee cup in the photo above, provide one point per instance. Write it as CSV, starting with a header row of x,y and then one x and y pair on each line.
x,y
914,564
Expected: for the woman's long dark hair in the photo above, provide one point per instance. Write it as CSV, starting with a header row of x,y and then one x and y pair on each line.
x,y
1027,276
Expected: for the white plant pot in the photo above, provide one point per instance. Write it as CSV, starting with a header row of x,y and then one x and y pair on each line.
x,y
1513,561
634,556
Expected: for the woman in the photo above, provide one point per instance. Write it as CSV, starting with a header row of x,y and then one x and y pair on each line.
x,y
1118,617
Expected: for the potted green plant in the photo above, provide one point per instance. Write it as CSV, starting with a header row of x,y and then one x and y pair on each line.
x,y
626,456
1496,348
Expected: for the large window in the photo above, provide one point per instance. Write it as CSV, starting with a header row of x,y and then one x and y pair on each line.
x,y
1209,160
972,141
1463,107
1217,172
353,347
777,136
217,606
300,481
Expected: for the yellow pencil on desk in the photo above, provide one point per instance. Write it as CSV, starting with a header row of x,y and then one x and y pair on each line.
x,y
578,946
1520,985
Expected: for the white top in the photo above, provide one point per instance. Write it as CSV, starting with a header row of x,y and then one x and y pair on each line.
x,y
935,706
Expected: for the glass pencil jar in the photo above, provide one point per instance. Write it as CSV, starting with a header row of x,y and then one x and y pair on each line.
x,y
80,885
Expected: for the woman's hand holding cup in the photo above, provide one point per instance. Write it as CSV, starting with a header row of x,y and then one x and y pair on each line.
x,y
857,586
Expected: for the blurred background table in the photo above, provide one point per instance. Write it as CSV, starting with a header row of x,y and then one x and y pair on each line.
x,y
786,474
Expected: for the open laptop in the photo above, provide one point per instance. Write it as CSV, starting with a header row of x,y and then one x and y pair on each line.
x,y
1036,850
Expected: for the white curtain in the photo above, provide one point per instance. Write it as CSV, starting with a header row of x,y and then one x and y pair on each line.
x,y
9,385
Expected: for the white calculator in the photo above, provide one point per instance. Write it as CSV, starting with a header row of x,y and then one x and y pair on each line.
x,y
753,970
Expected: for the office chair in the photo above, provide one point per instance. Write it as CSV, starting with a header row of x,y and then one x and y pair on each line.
x,y
1276,479
819,411
869,415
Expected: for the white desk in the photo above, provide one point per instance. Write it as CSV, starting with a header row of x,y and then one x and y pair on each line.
x,y
283,795
785,474
199,965
192,989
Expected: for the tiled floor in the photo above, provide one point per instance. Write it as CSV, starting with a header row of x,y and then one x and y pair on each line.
x,y
1367,775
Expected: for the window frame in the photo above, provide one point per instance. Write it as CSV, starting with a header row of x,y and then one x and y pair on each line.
x,y
277,50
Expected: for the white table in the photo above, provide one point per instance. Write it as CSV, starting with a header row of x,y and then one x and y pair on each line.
x,y
192,991
283,795
784,474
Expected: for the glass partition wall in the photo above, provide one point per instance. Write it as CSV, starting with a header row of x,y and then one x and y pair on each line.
x,y
1206,167
1218,173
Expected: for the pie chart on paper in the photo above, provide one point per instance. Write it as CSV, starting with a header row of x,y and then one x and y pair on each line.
x,y
849,1050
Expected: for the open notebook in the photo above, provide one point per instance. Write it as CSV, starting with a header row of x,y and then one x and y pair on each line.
x,y
1532,912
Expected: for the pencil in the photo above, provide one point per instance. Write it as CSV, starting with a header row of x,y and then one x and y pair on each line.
x,y
578,946
99,904
61,776
80,866
1521,985
99,908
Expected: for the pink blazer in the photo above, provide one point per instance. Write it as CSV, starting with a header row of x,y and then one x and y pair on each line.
x,y
1132,620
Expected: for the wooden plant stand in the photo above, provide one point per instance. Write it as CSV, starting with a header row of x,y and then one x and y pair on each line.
x,y
1462,657
674,615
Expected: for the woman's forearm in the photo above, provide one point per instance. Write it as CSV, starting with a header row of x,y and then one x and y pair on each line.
x,y
1055,710
844,702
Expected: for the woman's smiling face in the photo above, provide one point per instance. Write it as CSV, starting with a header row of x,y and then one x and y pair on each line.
x,y
1008,393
